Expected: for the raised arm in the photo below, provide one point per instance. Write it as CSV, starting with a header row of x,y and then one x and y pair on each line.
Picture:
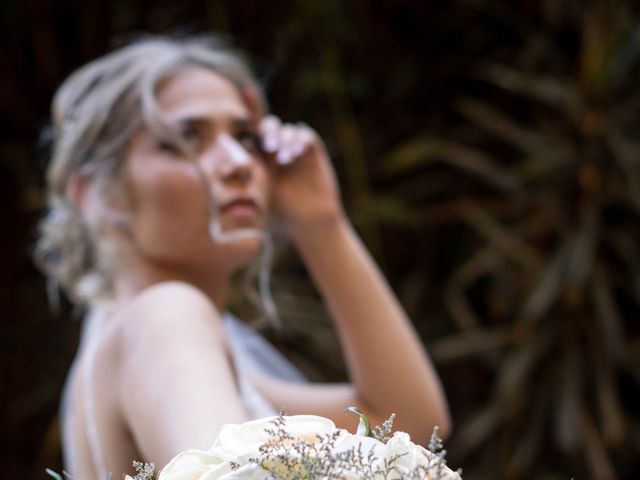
x,y
388,366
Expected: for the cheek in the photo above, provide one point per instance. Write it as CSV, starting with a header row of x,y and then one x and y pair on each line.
x,y
167,203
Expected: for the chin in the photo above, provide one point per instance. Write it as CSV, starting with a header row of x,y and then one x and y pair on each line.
x,y
242,251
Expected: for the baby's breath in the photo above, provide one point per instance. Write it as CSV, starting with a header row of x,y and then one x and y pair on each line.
x,y
286,458
144,471
382,433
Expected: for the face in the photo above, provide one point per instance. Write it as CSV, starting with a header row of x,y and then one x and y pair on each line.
x,y
166,190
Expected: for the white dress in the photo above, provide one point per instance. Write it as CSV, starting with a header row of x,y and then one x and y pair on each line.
x,y
251,354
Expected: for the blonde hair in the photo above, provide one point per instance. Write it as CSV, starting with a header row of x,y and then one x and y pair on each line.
x,y
94,114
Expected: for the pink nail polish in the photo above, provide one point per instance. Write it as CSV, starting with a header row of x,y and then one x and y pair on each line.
x,y
270,143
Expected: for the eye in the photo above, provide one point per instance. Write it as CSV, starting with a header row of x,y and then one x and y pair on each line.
x,y
249,140
190,135
169,147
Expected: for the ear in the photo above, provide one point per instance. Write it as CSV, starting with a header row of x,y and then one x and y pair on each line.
x,y
77,189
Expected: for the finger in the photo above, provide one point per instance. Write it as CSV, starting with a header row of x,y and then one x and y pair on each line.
x,y
302,139
269,129
287,136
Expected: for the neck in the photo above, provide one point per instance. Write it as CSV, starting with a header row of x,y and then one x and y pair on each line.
x,y
135,274
128,285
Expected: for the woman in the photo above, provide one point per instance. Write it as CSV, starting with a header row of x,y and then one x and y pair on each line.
x,y
165,173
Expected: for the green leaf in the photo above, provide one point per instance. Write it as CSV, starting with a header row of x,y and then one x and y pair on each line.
x,y
468,343
547,90
53,474
627,155
608,316
585,242
477,429
364,428
553,158
503,238
570,382
420,151
513,378
549,284
500,125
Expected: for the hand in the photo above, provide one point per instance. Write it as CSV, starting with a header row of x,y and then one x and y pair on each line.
x,y
304,190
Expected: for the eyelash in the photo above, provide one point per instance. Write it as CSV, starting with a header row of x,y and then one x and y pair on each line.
x,y
248,139
169,147
189,135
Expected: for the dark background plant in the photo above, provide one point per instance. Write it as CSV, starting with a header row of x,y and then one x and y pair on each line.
x,y
489,155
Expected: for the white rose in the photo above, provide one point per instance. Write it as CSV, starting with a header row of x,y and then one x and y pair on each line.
x,y
191,465
244,440
200,465
236,444
408,456
403,450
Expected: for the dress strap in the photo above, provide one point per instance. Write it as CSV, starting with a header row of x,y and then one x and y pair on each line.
x,y
91,430
254,355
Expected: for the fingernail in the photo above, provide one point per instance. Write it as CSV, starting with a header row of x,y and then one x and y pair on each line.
x,y
284,157
270,143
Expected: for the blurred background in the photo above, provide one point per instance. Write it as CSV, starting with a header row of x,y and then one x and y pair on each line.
x,y
489,155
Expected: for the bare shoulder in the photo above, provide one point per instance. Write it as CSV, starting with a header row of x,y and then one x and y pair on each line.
x,y
174,381
167,314
167,298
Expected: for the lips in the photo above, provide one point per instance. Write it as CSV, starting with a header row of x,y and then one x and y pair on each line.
x,y
242,207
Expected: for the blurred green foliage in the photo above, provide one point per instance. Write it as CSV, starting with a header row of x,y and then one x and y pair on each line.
x,y
489,154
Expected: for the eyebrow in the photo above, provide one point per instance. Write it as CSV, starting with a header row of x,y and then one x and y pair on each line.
x,y
238,122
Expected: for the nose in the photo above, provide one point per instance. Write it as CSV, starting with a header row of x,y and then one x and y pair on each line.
x,y
236,163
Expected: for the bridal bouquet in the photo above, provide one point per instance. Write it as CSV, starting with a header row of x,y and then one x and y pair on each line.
x,y
308,447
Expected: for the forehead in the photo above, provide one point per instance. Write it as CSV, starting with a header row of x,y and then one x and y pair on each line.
x,y
199,92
